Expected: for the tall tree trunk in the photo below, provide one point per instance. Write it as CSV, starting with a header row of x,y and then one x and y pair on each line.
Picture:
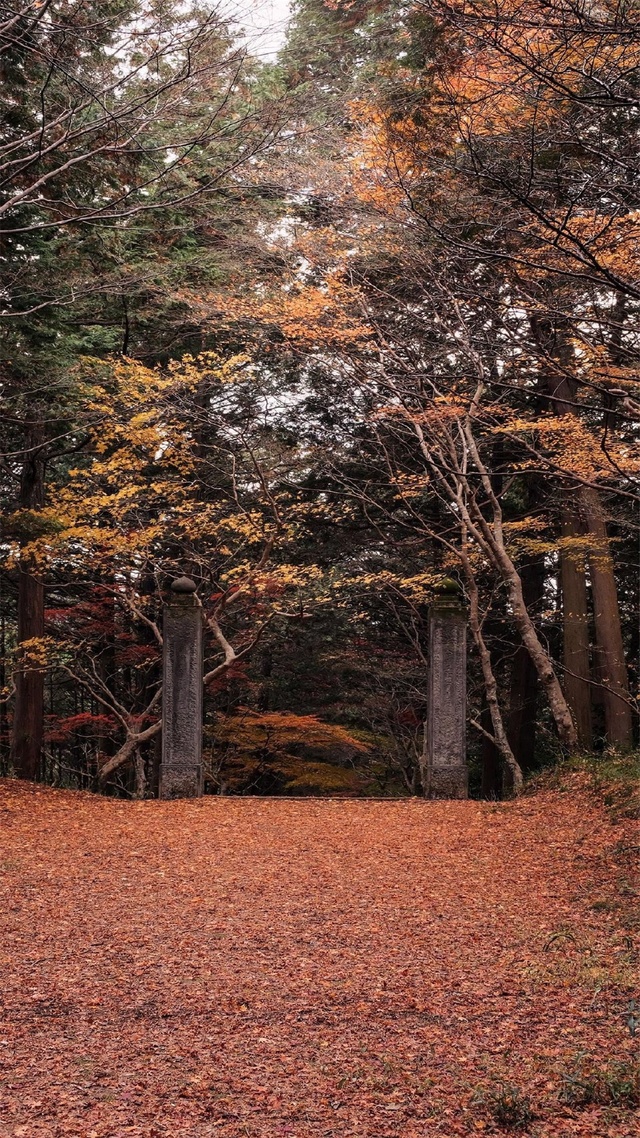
x,y
521,720
575,632
539,656
615,693
28,715
4,732
617,710
523,686
557,360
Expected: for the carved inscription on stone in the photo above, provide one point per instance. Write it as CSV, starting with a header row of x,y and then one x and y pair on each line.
x,y
181,769
446,723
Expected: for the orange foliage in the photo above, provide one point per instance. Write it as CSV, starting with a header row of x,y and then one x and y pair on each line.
x,y
250,742
303,313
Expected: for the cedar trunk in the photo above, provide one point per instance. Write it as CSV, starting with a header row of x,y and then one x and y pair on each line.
x,y
491,785
575,631
617,709
539,657
523,686
28,716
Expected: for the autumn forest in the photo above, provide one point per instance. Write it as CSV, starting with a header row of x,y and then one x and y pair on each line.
x,y
330,337
319,331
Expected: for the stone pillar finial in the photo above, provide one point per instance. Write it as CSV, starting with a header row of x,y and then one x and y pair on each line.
x,y
183,585
181,766
446,761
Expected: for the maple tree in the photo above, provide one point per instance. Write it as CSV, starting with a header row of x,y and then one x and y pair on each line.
x,y
262,750
198,494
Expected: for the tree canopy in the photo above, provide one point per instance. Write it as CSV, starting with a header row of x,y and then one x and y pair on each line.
x,y
320,332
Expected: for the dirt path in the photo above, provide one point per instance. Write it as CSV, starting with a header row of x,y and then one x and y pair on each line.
x,y
253,968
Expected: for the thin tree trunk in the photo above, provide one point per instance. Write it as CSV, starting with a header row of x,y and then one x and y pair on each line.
x,y
521,720
557,360
127,751
105,662
141,777
490,538
28,715
523,686
491,784
538,653
511,769
154,761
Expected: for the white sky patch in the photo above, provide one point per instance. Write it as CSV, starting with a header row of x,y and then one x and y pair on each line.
x,y
264,23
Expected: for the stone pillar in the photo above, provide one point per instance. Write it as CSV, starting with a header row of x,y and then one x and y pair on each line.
x,y
181,764
446,759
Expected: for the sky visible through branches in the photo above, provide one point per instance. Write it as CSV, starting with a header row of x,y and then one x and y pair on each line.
x,y
265,24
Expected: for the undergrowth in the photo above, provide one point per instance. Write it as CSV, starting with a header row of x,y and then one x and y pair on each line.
x,y
612,777
508,1107
587,1084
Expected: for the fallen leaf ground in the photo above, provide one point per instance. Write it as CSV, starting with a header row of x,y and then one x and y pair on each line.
x,y
237,967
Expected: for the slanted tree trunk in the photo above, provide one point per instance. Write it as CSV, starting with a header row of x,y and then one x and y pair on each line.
x,y
492,537
539,655
615,694
557,360
489,535
28,715
511,771
129,750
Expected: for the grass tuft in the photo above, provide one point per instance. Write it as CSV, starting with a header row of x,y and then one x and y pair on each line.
x,y
508,1107
616,1084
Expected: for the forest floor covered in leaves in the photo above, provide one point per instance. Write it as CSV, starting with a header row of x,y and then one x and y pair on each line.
x,y
238,967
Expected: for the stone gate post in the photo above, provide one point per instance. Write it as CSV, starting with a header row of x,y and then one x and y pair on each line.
x,y
446,758
181,764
